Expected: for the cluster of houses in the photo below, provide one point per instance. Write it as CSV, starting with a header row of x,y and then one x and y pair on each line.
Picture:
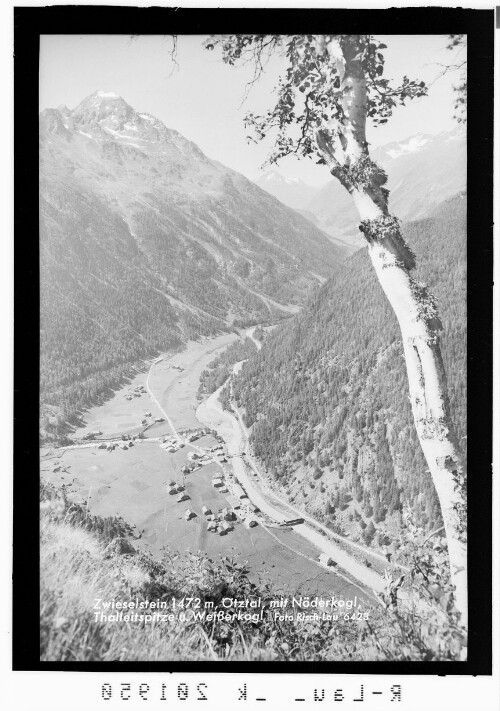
x,y
126,442
148,419
136,392
220,522
171,444
197,459
193,435
238,502
173,488
111,446
219,452
238,507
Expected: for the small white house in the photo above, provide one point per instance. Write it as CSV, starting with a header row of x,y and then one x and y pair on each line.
x,y
189,515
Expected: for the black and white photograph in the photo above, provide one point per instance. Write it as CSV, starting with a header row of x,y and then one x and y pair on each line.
x,y
253,354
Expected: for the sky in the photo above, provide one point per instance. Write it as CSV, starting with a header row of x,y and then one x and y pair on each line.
x,y
204,99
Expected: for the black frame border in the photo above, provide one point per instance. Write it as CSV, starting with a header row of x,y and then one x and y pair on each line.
x,y
29,24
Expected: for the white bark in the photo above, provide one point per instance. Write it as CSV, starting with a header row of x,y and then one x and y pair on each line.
x,y
429,400
414,308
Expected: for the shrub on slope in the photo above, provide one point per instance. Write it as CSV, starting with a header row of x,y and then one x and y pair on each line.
x,y
80,566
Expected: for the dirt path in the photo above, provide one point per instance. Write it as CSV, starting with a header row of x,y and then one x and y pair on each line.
x,y
151,395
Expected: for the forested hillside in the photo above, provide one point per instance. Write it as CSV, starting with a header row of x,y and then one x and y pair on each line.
x,y
221,367
328,397
146,243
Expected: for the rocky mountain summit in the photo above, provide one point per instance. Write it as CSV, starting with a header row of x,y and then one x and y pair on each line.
x,y
146,242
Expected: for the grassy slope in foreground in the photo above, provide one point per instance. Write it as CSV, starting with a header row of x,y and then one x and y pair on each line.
x,y
83,559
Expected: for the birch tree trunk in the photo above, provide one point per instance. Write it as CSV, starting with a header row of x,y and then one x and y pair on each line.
x,y
344,149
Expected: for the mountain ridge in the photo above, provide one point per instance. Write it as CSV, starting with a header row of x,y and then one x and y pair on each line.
x,y
146,242
423,170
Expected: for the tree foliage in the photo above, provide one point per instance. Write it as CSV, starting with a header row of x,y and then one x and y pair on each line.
x,y
310,92
459,42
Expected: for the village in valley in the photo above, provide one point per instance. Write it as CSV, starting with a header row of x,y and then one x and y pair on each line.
x,y
181,485
236,505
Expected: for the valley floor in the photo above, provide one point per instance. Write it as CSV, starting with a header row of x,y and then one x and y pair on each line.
x,y
132,482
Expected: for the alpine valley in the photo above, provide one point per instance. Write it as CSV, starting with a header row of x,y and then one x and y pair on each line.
x,y
239,378
146,243
422,171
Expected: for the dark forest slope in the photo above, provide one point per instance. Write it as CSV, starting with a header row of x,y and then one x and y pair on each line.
x,y
328,394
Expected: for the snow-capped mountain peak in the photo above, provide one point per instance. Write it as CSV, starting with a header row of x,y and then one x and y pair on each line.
x,y
409,145
105,116
107,95
291,191
272,176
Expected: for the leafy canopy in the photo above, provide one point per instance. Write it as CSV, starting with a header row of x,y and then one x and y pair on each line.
x,y
459,43
312,90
